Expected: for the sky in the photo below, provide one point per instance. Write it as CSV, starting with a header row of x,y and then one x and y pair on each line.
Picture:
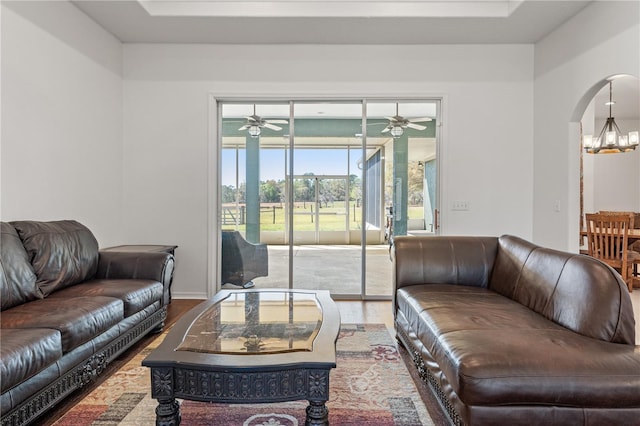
x,y
272,163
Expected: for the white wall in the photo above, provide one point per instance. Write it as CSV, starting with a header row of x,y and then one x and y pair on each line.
x,y
571,65
588,128
61,143
615,178
486,154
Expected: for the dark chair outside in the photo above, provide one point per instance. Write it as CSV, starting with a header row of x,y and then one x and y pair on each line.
x,y
242,261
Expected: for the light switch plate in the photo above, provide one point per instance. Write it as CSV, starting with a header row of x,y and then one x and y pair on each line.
x,y
460,205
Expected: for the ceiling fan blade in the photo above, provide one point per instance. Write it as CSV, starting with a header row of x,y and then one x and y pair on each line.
x,y
245,127
386,129
416,126
271,126
277,121
420,119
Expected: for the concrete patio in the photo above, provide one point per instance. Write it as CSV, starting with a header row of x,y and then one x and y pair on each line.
x,y
330,267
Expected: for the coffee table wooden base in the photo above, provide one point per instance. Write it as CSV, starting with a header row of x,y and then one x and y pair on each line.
x,y
288,349
240,386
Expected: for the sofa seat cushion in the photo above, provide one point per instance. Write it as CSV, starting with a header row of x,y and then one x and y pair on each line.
x,y
136,294
494,351
78,319
26,352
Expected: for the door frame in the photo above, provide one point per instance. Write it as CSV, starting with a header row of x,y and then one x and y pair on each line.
x,y
214,137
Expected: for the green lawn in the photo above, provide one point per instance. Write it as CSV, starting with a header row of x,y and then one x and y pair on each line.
x,y
332,218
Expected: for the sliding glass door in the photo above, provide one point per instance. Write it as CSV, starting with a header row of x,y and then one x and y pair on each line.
x,y
402,158
324,255
325,186
253,192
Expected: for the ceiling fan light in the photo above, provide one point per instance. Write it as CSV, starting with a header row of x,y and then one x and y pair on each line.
x,y
254,131
397,131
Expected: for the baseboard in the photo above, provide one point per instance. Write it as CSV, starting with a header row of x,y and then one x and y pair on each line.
x,y
189,295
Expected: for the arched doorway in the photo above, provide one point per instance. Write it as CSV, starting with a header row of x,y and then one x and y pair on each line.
x,y
609,181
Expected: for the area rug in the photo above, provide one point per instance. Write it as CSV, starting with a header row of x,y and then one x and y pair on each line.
x,y
370,386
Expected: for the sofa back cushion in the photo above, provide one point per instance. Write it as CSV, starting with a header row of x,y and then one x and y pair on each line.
x,y
575,291
17,278
443,260
62,253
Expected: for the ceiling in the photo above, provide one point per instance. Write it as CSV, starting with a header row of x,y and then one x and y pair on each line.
x,y
330,125
625,94
330,21
347,22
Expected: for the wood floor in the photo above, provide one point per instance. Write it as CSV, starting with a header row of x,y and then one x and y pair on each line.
x,y
350,312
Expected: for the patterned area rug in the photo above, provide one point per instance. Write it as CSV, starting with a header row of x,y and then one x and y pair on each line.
x,y
370,386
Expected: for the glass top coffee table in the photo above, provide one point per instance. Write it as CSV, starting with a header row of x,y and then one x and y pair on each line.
x,y
249,346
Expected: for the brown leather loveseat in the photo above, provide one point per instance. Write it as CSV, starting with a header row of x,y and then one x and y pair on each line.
x,y
510,333
68,310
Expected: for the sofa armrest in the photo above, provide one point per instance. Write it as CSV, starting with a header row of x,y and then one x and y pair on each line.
x,y
138,265
443,260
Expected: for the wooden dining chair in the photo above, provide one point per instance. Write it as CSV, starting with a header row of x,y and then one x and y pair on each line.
x,y
607,240
633,246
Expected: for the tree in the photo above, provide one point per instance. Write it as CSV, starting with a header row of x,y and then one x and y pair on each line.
x,y
355,188
228,194
415,185
270,192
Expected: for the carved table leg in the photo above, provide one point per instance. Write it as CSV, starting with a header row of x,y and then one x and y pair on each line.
x,y
168,412
317,414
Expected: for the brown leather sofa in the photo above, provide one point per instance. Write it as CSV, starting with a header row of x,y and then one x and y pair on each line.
x,y
510,333
68,310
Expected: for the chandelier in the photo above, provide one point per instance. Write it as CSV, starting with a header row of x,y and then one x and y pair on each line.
x,y
610,140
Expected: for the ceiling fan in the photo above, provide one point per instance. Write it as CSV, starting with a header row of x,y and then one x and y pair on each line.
x,y
398,123
255,123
